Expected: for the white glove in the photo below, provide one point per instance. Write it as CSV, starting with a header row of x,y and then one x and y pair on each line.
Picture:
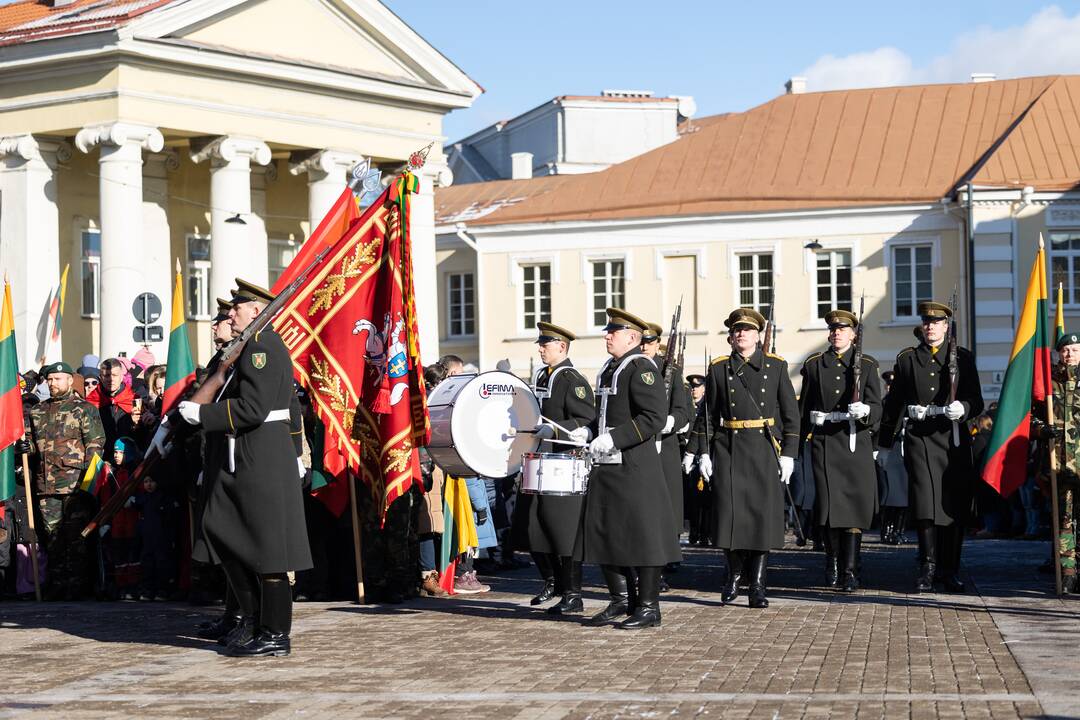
x,y
683,429
190,412
104,530
158,441
858,410
817,418
687,463
787,466
602,445
198,480
875,455
838,416
916,412
544,431
882,456
954,410
580,435
130,501
300,467
705,465
668,426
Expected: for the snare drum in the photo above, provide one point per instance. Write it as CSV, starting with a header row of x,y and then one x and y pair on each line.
x,y
473,421
554,473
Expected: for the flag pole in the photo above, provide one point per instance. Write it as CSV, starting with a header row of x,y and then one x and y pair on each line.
x,y
1055,529
356,537
30,522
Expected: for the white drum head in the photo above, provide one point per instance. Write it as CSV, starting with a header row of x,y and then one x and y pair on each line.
x,y
486,409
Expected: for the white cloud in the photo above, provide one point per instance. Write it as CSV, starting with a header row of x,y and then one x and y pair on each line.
x,y
1044,45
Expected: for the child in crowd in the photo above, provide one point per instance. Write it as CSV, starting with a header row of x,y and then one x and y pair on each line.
x,y
157,535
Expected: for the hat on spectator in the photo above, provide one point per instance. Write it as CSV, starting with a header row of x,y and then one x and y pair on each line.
x,y
88,372
143,358
90,360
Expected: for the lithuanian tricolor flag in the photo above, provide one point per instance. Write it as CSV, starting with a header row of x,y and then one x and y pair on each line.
x,y
56,308
11,414
94,470
1059,316
1027,380
180,369
459,529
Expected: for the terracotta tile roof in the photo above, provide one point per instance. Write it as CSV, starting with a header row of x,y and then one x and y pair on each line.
x,y
836,149
28,20
468,203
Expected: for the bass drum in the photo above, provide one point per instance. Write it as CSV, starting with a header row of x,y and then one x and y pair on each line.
x,y
474,419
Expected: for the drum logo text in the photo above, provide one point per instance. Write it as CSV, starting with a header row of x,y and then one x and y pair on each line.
x,y
489,389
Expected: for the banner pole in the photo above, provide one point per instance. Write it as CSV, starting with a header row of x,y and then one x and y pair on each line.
x,y
1055,522
356,537
30,521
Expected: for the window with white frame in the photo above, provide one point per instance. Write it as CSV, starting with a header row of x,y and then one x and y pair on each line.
x,y
281,253
460,305
608,288
90,271
198,275
912,278
756,281
832,281
1065,264
535,294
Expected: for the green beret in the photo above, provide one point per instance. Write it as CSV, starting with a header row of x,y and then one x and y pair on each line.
x,y
57,367
1067,339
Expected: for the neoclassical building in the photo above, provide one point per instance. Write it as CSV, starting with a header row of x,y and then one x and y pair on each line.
x,y
135,133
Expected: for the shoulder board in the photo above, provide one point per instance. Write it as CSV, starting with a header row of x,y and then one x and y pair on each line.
x,y
722,358
868,359
903,352
775,357
815,356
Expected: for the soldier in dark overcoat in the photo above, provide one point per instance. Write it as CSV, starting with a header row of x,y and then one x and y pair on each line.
x,y
627,525
254,519
755,439
548,524
841,445
937,450
697,493
678,417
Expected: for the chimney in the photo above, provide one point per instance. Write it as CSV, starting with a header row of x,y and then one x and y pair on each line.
x,y
795,86
61,3
521,165
983,77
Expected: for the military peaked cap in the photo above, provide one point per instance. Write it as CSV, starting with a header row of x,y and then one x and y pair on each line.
x,y
745,316
841,318
619,319
223,307
930,310
652,333
550,332
248,292
695,380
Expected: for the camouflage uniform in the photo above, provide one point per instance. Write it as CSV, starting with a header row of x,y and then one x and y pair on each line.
x,y
1067,419
66,432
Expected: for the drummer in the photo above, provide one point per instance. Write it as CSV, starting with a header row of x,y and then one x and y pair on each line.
x,y
547,525
627,523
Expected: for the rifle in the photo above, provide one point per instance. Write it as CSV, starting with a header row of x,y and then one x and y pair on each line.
x,y
768,341
954,365
682,352
856,372
178,429
672,349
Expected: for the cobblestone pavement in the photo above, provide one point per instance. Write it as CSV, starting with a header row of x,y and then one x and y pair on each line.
x,y
1003,652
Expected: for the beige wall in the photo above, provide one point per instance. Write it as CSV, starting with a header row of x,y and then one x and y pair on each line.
x,y
650,294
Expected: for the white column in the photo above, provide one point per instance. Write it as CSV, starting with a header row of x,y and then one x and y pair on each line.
x,y
260,248
422,229
156,246
230,195
328,174
121,197
29,237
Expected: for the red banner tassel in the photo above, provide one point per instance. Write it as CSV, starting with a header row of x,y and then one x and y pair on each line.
x,y
381,404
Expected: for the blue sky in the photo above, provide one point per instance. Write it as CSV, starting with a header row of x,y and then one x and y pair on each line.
x,y
731,55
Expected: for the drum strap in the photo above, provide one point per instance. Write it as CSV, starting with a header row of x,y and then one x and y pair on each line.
x,y
545,392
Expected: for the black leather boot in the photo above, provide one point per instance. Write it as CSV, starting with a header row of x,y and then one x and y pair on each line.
x,y
619,604
927,557
647,613
888,525
547,572
949,559
850,545
901,526
735,560
571,603
221,627
758,563
832,558
275,621
242,586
